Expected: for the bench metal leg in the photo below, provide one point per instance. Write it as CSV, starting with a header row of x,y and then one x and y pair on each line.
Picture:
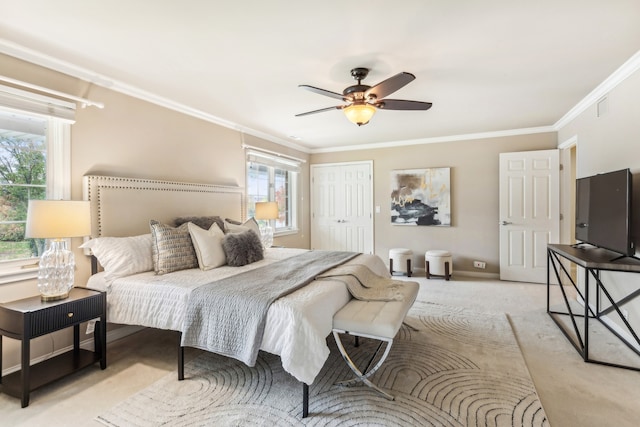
x,y
360,375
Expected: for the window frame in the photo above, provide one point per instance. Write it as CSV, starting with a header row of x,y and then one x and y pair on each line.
x,y
58,187
292,169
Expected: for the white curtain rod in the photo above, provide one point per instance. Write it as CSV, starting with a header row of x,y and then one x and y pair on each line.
x,y
275,153
83,101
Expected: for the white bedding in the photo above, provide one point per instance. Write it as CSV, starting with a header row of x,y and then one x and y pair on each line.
x,y
296,328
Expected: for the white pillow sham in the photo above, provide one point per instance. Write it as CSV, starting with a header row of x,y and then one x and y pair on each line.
x,y
122,256
208,246
250,224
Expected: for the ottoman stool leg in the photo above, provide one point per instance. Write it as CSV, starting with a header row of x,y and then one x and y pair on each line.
x,y
409,267
426,268
447,275
391,266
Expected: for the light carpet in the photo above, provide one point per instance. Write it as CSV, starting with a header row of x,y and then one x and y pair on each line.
x,y
460,368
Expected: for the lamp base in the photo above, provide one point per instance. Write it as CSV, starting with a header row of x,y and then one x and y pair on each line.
x,y
266,235
46,298
55,275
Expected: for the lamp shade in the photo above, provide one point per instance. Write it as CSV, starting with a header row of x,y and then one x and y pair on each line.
x,y
266,210
53,219
360,114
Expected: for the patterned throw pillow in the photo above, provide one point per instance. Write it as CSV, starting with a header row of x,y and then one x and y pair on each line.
x,y
172,248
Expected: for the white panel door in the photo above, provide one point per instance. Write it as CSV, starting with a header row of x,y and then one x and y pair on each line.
x,y
529,213
341,207
325,225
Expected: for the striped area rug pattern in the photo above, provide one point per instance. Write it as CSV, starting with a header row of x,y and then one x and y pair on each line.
x,y
460,368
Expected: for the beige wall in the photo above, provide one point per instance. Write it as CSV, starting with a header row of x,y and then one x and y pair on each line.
x,y
130,137
609,143
473,234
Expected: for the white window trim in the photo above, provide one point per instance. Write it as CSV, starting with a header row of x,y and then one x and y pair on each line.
x,y
293,229
287,163
58,187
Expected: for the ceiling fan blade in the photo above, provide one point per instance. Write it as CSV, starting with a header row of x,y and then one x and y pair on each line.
x,y
392,84
337,107
402,104
323,92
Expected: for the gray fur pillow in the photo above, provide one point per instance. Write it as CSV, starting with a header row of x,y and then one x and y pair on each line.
x,y
242,248
201,221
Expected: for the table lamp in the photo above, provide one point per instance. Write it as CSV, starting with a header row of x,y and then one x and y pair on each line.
x,y
266,211
57,220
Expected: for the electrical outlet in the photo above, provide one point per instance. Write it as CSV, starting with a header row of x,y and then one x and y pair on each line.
x,y
480,264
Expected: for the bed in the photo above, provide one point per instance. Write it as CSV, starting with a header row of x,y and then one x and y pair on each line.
x,y
296,325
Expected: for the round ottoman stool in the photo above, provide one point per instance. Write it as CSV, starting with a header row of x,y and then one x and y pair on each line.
x,y
400,260
438,263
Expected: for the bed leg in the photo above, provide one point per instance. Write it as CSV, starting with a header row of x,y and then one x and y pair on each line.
x,y
305,400
180,358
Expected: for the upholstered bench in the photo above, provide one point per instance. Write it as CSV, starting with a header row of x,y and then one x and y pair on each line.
x,y
379,320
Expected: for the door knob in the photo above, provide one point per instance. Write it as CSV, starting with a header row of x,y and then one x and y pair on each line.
x,y
505,223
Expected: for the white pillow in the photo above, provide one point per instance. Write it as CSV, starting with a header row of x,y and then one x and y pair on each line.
x,y
208,246
249,224
122,256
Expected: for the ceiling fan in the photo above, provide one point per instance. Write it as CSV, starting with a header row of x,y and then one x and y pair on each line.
x,y
362,101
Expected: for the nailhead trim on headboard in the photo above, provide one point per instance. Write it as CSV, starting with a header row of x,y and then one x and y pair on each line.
x,y
95,184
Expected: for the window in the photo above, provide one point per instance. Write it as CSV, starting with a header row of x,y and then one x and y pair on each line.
x,y
23,177
272,178
34,164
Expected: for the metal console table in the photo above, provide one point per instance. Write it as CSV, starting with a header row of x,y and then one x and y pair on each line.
x,y
593,261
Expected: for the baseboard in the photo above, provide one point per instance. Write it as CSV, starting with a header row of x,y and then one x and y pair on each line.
x,y
86,344
420,272
492,276
120,332
626,336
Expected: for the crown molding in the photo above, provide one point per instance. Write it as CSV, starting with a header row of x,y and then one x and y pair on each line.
x,y
17,51
625,70
436,140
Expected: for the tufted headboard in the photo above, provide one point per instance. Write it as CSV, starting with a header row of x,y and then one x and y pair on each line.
x,y
123,206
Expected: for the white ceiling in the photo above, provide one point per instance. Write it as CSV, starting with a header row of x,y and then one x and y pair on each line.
x,y
487,66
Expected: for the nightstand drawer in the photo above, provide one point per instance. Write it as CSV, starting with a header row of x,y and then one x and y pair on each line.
x,y
64,315
31,317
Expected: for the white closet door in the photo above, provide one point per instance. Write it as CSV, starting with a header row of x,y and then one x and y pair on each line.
x,y
341,207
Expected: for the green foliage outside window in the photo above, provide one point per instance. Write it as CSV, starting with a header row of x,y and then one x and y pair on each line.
x,y
22,177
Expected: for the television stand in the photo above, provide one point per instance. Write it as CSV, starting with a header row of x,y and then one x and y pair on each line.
x,y
581,245
618,258
593,261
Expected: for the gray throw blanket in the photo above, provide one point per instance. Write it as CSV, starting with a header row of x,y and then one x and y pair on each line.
x,y
228,316
364,284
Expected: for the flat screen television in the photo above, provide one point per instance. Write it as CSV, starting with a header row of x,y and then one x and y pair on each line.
x,y
603,211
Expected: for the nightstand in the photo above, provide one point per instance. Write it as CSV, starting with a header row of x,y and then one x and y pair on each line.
x,y
30,318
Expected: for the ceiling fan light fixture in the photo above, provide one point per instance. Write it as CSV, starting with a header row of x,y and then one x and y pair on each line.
x,y
359,114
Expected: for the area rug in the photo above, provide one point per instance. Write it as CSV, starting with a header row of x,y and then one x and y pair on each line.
x,y
460,368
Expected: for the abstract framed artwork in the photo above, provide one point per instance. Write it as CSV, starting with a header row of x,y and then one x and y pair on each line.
x,y
421,197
